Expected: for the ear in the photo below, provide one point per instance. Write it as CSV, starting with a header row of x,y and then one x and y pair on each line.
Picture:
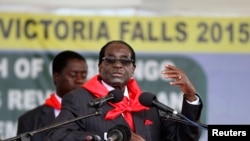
x,y
55,77
99,68
133,70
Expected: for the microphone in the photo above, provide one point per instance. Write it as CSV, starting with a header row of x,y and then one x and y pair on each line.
x,y
92,138
119,133
113,96
149,99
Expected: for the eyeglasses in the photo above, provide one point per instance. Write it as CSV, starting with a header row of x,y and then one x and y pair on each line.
x,y
123,61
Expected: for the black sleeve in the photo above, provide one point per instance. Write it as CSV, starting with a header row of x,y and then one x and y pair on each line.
x,y
178,131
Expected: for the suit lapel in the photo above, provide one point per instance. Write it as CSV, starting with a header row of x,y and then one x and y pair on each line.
x,y
48,115
137,117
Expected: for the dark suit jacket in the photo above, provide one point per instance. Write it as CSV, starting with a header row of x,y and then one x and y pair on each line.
x,y
75,105
35,119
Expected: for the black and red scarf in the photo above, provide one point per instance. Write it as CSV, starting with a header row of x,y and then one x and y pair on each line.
x,y
53,102
97,89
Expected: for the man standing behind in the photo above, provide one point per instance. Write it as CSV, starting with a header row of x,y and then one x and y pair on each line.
x,y
69,71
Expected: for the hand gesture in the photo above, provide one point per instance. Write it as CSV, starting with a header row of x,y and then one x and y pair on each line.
x,y
180,79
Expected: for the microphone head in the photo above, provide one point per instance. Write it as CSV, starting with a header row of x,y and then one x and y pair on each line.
x,y
92,138
147,98
122,131
117,94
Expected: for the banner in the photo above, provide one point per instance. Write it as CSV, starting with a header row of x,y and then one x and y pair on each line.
x,y
160,34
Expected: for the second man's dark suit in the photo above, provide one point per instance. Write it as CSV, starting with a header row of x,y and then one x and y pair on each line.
x,y
35,119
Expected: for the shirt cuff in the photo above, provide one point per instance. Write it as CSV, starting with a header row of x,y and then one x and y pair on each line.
x,y
196,102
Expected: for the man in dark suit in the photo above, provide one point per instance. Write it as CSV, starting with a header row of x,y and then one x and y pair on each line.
x,y
117,64
69,72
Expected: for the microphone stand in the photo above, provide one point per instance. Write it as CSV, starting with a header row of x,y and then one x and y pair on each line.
x,y
187,121
26,136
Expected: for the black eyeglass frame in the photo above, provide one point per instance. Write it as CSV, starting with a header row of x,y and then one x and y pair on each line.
x,y
123,61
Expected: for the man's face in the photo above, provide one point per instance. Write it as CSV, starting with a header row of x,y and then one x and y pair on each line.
x,y
71,77
116,68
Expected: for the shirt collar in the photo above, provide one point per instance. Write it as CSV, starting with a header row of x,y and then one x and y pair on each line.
x,y
110,88
58,98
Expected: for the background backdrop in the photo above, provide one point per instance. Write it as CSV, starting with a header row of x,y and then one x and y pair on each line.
x,y
212,48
